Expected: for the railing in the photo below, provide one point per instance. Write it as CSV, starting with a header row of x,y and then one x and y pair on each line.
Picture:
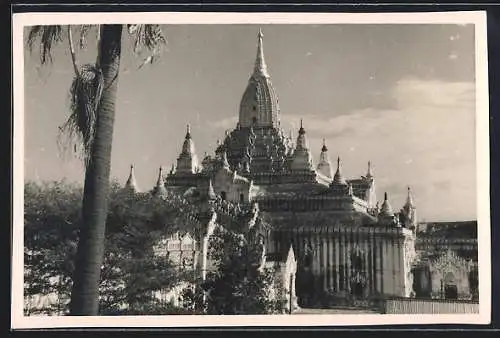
x,y
428,306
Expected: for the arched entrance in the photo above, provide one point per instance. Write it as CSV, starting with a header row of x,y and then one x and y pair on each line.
x,y
357,273
305,278
450,286
422,281
357,289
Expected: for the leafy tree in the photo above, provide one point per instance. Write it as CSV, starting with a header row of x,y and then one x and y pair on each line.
x,y
131,271
51,214
91,121
239,284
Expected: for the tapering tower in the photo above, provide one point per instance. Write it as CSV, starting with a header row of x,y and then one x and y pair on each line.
x,y
338,178
370,194
259,104
159,190
409,212
257,148
386,215
324,166
187,162
301,158
131,184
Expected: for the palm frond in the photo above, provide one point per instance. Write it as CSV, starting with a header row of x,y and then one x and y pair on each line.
x,y
149,37
84,30
48,36
85,94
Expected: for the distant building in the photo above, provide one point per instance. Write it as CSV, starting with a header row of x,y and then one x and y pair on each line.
x,y
446,265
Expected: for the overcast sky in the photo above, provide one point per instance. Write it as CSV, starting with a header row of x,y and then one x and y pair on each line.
x,y
401,96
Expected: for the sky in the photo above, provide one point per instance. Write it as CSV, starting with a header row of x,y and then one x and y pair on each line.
x,y
400,96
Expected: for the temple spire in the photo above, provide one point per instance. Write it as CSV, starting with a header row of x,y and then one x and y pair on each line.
x,y
369,173
386,209
409,198
131,182
324,166
338,178
260,63
187,162
302,159
301,129
160,190
324,148
211,192
225,162
409,211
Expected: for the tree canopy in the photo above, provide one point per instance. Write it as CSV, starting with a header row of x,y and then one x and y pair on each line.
x,y
131,271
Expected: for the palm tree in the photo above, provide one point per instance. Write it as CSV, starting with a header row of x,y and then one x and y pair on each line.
x,y
90,126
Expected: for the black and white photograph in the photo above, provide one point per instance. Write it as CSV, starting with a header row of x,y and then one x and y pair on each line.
x,y
281,169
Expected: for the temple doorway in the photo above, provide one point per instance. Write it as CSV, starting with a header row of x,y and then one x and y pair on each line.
x,y
357,289
450,287
450,291
422,281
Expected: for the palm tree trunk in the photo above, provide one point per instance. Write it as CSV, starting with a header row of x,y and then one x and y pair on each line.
x,y
86,278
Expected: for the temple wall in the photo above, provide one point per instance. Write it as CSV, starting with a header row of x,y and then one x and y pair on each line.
x,y
223,182
344,261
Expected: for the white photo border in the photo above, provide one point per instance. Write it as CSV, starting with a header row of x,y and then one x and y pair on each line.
x,y
478,18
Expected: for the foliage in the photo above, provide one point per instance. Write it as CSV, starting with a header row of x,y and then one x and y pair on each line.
x,y
85,93
48,35
131,271
239,284
51,215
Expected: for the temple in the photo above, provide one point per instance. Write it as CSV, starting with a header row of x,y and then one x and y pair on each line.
x,y
327,232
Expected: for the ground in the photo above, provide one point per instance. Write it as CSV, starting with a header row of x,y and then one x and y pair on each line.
x,y
338,311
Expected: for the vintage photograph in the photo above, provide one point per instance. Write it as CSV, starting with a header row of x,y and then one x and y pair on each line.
x,y
282,169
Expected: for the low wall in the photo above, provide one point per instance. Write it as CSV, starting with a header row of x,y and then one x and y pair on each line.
x,y
428,306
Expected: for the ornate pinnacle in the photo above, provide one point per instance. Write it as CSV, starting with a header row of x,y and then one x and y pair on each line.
x,y
260,63
409,198
386,209
301,129
211,192
160,176
131,182
338,178
160,188
324,148
225,162
369,173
